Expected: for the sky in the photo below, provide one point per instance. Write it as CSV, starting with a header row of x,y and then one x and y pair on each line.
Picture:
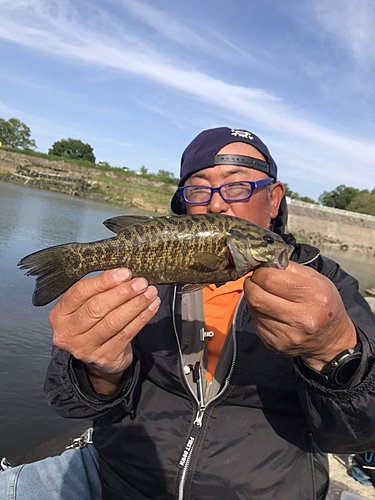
x,y
138,80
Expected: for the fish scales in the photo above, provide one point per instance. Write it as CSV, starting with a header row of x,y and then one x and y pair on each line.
x,y
189,250
166,254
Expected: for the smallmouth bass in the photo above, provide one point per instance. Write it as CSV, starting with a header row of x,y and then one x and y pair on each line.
x,y
191,250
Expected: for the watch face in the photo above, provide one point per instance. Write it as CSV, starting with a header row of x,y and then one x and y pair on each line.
x,y
346,369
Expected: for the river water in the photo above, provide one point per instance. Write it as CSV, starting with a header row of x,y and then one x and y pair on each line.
x,y
31,219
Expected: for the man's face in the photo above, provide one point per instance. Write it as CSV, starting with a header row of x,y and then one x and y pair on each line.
x,y
264,202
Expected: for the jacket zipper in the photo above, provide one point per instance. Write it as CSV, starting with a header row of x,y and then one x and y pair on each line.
x,y
309,261
197,379
201,406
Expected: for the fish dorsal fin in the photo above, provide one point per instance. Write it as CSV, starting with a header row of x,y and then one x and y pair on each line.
x,y
193,287
122,222
206,262
241,264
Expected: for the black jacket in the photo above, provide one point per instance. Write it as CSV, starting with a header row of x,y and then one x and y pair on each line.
x,y
262,436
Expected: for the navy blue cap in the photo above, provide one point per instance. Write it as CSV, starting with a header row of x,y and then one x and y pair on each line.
x,y
202,153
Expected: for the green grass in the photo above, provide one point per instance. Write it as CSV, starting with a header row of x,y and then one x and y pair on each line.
x,y
121,188
88,164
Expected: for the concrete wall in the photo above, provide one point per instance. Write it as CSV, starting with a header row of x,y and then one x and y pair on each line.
x,y
330,226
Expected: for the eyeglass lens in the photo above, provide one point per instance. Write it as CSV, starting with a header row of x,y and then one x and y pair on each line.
x,y
233,191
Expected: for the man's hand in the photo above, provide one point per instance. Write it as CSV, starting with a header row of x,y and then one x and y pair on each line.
x,y
299,312
97,318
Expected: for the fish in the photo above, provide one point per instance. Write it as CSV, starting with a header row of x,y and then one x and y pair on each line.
x,y
189,250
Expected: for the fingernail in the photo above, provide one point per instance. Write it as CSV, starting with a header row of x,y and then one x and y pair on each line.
x,y
122,274
151,292
155,304
139,284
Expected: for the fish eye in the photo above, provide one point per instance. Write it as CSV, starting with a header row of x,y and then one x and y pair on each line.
x,y
268,239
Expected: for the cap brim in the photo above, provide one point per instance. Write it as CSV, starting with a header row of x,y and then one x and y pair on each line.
x,y
178,207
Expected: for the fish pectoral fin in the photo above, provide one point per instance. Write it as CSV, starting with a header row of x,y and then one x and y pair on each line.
x,y
122,222
241,263
193,287
206,262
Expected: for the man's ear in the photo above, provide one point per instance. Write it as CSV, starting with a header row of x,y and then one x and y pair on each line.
x,y
276,195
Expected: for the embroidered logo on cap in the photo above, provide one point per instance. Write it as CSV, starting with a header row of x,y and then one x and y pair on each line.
x,y
242,133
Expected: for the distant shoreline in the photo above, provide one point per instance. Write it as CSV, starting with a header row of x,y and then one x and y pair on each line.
x,y
310,223
109,185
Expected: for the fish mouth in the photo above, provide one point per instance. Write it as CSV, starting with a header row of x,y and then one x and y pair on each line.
x,y
282,257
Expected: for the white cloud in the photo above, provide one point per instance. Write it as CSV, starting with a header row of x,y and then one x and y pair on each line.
x,y
8,110
352,23
58,28
177,32
165,24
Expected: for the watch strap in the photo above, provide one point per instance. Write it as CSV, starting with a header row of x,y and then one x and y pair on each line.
x,y
338,372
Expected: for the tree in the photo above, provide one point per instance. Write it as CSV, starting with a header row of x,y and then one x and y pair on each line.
x,y
74,149
15,134
307,199
143,170
291,194
363,203
164,174
340,197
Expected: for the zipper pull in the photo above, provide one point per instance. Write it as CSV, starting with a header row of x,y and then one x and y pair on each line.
x,y
198,380
199,417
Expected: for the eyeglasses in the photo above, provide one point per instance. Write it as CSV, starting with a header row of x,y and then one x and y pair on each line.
x,y
231,191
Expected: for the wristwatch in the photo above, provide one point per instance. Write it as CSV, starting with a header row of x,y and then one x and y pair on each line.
x,y
343,366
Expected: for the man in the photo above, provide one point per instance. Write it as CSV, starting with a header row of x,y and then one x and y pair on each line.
x,y
235,392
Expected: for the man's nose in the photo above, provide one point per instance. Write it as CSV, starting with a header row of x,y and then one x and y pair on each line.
x,y
217,204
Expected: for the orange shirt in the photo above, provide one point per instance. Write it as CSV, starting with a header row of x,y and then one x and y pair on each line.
x,y
219,306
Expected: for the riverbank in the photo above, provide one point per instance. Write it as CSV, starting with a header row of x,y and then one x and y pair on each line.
x,y
310,223
339,230
119,187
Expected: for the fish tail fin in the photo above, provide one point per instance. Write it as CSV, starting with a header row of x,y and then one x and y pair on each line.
x,y
53,270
